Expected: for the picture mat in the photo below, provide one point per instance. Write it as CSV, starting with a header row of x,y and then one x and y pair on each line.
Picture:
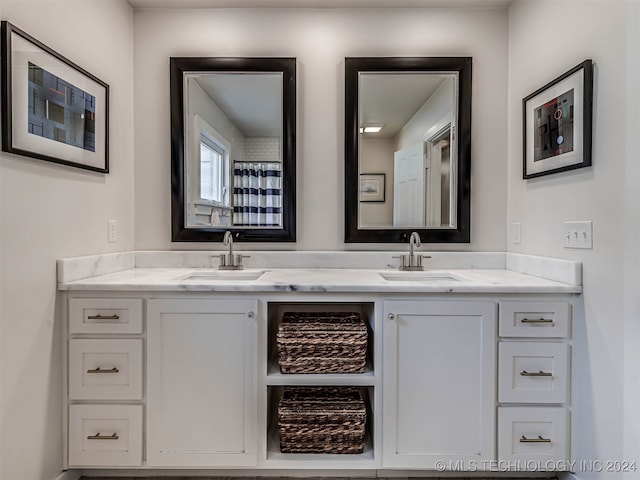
x,y
377,182
23,52
575,82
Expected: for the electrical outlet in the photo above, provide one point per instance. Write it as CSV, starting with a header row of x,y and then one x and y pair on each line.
x,y
516,232
578,234
112,231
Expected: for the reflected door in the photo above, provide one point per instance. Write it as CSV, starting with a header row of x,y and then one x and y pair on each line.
x,y
440,193
409,187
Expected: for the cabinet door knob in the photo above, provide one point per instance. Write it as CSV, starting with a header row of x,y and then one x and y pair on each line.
x,y
251,315
391,316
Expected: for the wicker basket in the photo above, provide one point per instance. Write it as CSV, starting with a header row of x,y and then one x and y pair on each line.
x,y
325,342
322,420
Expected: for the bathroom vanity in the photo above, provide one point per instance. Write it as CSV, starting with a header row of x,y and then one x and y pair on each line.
x,y
170,363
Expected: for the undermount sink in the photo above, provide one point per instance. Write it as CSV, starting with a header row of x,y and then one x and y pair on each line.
x,y
225,275
419,276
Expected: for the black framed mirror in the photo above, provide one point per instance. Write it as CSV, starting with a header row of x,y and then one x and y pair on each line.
x,y
233,149
408,149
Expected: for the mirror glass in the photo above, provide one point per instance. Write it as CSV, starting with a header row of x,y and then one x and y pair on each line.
x,y
234,149
407,148
406,130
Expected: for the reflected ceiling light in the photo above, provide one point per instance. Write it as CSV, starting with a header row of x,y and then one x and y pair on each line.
x,y
370,128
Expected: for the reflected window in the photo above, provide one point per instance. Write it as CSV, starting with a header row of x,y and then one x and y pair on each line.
x,y
210,157
212,186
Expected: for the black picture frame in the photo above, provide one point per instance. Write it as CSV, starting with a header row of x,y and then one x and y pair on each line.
x,y
461,233
178,67
557,124
377,181
52,109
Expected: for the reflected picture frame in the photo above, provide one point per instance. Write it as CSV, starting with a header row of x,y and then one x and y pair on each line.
x,y
557,124
372,187
52,109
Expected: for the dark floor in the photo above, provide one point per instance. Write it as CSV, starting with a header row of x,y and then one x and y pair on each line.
x,y
543,477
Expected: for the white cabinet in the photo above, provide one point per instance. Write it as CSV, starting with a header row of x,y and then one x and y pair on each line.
x,y
104,370
201,382
183,380
438,382
534,383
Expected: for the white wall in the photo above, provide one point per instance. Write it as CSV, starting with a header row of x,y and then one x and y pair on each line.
x,y
50,211
438,107
605,395
376,156
320,39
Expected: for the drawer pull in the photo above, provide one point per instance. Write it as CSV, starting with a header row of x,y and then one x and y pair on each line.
x,y
99,370
537,320
524,439
104,317
97,436
540,373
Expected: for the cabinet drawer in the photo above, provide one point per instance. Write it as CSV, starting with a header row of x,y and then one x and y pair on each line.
x,y
533,372
535,319
538,435
105,435
105,315
105,369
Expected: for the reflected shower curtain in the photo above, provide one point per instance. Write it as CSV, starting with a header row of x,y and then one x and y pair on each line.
x,y
257,194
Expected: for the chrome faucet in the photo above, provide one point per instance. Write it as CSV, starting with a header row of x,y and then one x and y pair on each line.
x,y
414,241
230,261
413,261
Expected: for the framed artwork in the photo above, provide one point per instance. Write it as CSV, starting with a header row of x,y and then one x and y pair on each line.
x,y
51,108
372,187
557,124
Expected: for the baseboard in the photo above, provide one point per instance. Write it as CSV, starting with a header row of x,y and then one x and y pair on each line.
x,y
567,476
69,475
157,474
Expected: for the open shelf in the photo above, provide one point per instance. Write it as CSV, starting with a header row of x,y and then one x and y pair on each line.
x,y
275,313
274,456
275,381
275,377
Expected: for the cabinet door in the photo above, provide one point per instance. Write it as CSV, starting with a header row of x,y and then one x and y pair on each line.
x,y
439,386
201,383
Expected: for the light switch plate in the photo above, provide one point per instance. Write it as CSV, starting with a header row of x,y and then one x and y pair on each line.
x,y
516,232
578,234
112,231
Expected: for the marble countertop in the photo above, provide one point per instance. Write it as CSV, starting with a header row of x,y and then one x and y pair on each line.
x,y
351,280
